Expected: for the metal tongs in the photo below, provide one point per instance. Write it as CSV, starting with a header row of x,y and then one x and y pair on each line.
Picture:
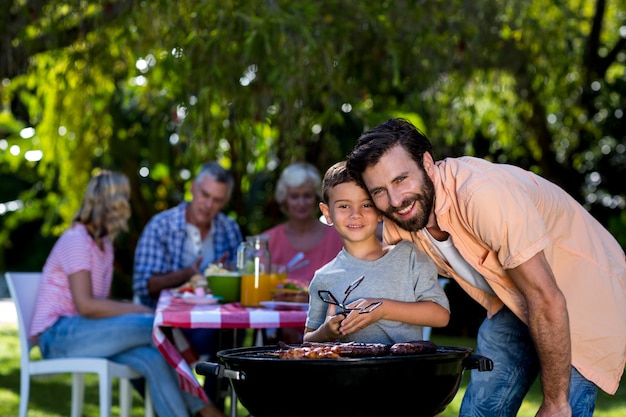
x,y
329,298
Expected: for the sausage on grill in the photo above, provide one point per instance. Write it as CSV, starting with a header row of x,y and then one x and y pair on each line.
x,y
317,350
413,347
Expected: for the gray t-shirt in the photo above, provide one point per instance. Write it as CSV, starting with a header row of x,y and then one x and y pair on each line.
x,y
402,274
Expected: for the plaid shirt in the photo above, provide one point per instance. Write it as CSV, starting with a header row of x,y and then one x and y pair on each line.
x,y
160,247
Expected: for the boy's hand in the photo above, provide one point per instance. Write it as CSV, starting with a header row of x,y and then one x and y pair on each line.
x,y
354,321
333,323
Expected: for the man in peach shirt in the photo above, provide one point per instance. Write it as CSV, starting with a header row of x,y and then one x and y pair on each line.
x,y
552,279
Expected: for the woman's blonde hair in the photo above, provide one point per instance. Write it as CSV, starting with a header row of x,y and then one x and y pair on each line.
x,y
106,208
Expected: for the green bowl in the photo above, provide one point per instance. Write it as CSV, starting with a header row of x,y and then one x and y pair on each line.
x,y
227,286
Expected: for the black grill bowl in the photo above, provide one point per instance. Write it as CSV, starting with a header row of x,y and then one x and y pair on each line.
x,y
381,386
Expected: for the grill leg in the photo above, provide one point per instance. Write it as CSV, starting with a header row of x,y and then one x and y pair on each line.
x,y
233,401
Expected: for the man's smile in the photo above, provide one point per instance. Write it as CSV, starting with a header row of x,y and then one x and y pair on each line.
x,y
406,210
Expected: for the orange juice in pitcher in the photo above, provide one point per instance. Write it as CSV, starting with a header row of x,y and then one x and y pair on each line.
x,y
256,288
254,263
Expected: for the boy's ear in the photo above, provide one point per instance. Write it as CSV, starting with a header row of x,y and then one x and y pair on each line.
x,y
326,212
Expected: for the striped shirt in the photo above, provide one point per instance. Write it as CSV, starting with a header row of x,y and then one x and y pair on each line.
x,y
74,251
160,249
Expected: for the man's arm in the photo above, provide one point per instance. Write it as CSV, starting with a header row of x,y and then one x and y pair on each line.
x,y
150,258
153,269
548,322
159,282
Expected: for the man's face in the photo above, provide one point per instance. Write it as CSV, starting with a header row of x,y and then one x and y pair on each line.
x,y
401,189
209,197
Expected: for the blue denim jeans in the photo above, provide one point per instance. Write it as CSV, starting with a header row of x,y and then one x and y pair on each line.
x,y
506,341
124,339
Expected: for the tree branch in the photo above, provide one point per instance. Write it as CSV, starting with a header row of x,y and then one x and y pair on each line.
x,y
590,55
14,60
605,63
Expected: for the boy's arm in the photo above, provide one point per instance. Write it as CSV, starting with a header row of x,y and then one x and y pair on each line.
x,y
419,313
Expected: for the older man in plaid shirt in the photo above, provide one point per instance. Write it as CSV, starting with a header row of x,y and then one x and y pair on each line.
x,y
180,242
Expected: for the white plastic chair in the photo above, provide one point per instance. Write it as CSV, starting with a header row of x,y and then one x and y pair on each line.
x,y
23,287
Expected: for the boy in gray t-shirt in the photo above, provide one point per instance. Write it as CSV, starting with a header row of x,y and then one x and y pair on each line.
x,y
399,293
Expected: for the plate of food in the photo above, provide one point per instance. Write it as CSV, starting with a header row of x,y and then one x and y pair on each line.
x,y
195,295
285,305
292,292
192,298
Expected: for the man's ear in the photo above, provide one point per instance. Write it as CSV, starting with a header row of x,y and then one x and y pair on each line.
x,y
428,163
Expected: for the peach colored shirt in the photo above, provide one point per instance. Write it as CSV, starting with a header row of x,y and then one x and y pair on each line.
x,y
499,216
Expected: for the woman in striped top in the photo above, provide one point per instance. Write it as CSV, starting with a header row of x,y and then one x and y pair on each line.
x,y
74,314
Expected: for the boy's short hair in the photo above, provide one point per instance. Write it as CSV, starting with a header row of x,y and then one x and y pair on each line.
x,y
335,175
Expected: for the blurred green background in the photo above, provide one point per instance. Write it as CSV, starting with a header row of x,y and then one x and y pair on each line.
x,y
156,88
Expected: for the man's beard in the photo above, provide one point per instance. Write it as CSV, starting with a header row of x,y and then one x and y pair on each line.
x,y
424,203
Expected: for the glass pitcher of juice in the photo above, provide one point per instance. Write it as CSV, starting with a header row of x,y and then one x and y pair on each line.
x,y
254,263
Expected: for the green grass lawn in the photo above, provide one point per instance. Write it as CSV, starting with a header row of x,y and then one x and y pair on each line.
x,y
51,397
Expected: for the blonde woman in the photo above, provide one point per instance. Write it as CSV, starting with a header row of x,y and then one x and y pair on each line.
x,y
74,314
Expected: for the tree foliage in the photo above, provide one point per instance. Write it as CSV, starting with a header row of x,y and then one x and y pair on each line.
x,y
156,88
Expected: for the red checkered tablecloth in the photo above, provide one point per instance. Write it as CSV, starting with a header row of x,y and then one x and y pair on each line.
x,y
173,313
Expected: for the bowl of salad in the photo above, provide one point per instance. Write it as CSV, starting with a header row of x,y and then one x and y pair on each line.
x,y
224,283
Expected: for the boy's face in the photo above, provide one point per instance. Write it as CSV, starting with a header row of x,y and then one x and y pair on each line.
x,y
351,210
